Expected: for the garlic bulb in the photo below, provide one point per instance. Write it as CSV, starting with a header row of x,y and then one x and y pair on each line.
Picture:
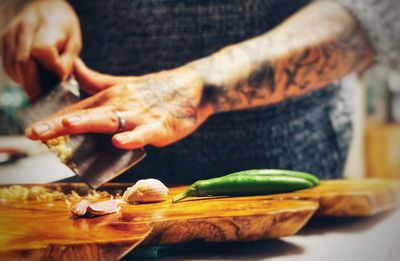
x,y
146,191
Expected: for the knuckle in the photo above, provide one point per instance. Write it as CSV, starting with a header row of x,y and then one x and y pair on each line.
x,y
99,100
168,128
160,144
40,46
166,134
110,93
29,19
25,31
78,45
23,54
161,137
40,49
113,118
22,57
140,141
107,94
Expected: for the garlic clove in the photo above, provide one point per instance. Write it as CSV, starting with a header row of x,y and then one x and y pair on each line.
x,y
80,208
146,191
103,207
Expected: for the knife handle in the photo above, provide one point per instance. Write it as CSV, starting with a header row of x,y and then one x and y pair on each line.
x,y
47,79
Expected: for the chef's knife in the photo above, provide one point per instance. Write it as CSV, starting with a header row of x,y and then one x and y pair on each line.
x,y
90,156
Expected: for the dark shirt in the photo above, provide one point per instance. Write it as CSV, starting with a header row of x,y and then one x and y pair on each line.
x,y
126,37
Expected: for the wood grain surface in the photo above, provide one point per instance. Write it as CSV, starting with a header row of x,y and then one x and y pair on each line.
x,y
36,231
350,198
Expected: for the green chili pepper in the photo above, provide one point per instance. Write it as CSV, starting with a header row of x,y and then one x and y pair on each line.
x,y
278,172
244,185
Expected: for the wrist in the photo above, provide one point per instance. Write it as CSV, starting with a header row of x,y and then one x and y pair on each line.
x,y
218,72
194,90
237,77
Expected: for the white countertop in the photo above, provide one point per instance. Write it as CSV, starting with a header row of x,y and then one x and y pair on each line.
x,y
323,239
42,166
374,238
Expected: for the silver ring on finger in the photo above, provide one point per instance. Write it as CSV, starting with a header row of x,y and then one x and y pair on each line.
x,y
121,121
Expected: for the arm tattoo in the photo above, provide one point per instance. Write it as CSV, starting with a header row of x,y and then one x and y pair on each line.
x,y
315,47
165,93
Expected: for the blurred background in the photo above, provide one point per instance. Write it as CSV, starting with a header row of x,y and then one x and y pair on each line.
x,y
34,162
381,86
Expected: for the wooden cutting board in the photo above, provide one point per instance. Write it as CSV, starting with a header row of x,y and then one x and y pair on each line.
x,y
35,231
350,198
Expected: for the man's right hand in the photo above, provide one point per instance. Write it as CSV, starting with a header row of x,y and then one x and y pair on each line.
x,y
45,32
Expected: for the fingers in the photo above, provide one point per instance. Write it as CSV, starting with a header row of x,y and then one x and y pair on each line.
x,y
154,134
29,78
24,43
97,120
46,130
90,102
45,48
92,81
70,53
100,120
10,61
93,102
43,33
23,49
8,47
21,46
25,66
53,124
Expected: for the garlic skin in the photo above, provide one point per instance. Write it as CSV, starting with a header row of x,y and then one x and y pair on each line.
x,y
146,191
80,209
103,208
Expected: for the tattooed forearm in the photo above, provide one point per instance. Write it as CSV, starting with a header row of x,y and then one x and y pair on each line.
x,y
315,47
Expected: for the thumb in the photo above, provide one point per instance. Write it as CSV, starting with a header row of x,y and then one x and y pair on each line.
x,y
92,81
69,55
67,61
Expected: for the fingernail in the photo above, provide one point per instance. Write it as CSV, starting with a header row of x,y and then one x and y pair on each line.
x,y
42,128
73,119
121,138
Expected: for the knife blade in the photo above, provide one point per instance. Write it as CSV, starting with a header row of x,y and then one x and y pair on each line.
x,y
90,156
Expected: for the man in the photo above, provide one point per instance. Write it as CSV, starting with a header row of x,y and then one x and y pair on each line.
x,y
263,100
